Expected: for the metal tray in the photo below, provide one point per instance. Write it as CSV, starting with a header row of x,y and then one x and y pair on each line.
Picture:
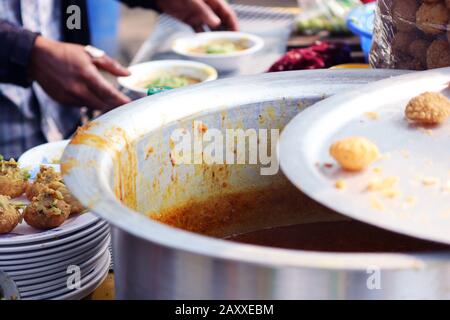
x,y
415,155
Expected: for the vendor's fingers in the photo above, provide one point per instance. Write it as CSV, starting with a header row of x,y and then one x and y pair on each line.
x,y
105,91
84,97
110,65
203,14
226,14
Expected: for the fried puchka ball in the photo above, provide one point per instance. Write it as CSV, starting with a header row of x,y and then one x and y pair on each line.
x,y
404,14
438,54
47,211
75,205
401,42
418,50
13,180
432,18
45,176
10,217
428,108
354,153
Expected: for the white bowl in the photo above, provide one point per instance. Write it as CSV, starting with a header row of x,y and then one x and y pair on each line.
x,y
147,70
222,62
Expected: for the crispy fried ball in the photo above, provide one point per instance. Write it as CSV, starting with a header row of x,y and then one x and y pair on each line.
x,y
45,176
13,180
10,217
354,153
404,14
75,205
432,18
428,108
401,42
47,211
418,50
438,54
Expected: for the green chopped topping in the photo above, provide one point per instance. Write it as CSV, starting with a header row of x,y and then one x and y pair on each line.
x,y
169,81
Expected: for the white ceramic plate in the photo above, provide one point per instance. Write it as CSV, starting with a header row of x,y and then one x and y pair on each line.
x,y
42,281
61,283
62,251
32,263
89,283
412,154
45,270
57,242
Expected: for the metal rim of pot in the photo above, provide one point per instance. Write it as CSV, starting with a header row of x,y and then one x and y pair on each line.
x,y
93,190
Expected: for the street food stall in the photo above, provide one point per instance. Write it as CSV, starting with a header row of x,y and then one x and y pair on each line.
x,y
239,172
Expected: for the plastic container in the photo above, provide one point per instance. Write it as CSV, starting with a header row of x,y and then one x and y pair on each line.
x,y
360,21
104,18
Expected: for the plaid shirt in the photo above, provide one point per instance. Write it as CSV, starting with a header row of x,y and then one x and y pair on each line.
x,y
28,116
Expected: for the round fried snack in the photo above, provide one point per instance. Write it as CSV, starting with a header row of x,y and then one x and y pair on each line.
x,y
428,108
438,54
75,205
404,14
10,217
47,211
432,18
45,176
13,180
418,50
401,42
354,153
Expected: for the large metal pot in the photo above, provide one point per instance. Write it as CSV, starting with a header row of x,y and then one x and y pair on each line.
x,y
120,167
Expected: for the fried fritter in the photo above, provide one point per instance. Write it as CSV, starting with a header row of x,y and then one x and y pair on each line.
x,y
418,49
432,18
75,205
401,42
45,176
13,180
47,211
404,14
428,108
438,54
354,153
10,217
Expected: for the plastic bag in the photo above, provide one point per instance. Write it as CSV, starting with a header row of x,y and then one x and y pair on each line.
x,y
411,34
329,15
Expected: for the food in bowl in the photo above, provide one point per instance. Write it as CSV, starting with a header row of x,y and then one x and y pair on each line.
x,y
221,46
223,50
168,80
282,218
170,74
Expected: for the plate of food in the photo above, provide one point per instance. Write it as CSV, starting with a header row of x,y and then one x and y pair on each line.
x,y
164,74
379,154
223,50
35,204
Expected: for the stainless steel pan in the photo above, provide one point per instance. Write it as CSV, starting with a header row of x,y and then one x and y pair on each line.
x,y
125,155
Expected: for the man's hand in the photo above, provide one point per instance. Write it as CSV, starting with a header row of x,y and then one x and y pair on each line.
x,y
196,13
70,75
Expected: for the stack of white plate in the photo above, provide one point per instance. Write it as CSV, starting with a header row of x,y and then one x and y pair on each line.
x,y
68,262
